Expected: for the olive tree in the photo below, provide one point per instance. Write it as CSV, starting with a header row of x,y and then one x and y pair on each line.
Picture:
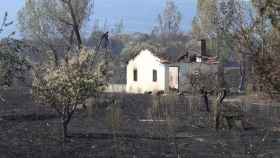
x,y
69,85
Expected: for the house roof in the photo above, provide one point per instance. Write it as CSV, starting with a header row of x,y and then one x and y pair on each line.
x,y
170,54
166,54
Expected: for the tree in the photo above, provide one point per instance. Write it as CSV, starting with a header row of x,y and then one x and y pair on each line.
x,y
68,85
267,30
119,27
207,11
12,65
257,37
55,23
269,9
169,21
214,22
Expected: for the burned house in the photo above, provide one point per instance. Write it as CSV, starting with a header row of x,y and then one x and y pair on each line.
x,y
150,71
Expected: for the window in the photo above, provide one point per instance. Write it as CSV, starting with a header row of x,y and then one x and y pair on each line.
x,y
154,75
135,77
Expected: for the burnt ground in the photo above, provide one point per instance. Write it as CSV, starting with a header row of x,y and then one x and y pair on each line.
x,y
135,127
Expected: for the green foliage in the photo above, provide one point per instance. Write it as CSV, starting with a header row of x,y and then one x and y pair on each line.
x,y
12,65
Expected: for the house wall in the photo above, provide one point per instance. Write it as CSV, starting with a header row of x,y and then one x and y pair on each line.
x,y
209,70
145,62
183,74
187,69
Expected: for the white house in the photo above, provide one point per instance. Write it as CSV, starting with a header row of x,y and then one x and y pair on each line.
x,y
147,72
167,71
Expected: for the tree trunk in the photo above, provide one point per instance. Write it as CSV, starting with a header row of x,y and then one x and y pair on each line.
x,y
56,59
241,87
242,82
65,128
221,77
66,118
206,101
76,27
204,93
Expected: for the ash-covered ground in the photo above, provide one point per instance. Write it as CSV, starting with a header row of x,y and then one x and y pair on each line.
x,y
136,126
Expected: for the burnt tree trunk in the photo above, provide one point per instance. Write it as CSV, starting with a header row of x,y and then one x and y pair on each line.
x,y
206,101
66,118
65,130
65,124
241,87
242,82
204,93
221,77
75,25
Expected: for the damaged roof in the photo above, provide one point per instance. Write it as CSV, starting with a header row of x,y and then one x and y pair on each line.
x,y
166,54
173,53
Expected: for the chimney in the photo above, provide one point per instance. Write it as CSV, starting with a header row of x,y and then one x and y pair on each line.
x,y
203,47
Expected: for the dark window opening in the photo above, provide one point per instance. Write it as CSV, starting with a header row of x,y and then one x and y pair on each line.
x,y
135,77
154,75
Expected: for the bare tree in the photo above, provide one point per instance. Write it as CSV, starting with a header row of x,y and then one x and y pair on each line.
x,y
214,22
169,21
258,38
55,23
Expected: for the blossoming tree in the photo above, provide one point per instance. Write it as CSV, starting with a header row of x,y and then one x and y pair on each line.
x,y
68,85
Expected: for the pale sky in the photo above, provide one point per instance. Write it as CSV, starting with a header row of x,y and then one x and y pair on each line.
x,y
138,15
11,6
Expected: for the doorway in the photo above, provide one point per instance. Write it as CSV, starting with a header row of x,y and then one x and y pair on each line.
x,y
173,78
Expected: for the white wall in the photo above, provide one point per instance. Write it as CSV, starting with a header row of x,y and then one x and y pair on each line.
x,y
145,62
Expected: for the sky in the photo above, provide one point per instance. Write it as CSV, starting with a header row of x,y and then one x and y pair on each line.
x,y
138,15
11,6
